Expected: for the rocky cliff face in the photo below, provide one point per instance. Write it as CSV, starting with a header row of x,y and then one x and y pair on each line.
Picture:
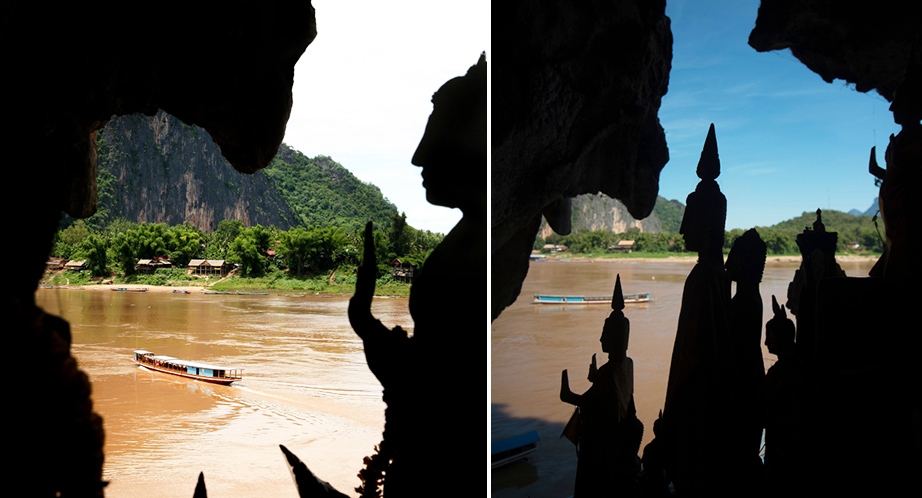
x,y
600,212
165,171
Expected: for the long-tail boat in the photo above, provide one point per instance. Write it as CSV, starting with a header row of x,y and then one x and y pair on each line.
x,y
188,369
628,299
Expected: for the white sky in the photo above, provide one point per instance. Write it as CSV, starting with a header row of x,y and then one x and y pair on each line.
x,y
362,89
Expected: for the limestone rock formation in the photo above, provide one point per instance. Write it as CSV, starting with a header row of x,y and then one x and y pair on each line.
x,y
165,171
576,89
601,212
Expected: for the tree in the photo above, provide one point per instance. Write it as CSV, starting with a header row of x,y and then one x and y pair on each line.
x,y
221,239
249,250
399,235
296,249
124,248
93,250
67,241
184,243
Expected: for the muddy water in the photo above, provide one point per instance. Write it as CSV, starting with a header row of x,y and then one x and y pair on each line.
x,y
531,344
305,385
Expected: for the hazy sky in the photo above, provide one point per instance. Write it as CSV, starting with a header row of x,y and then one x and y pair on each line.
x,y
789,142
363,89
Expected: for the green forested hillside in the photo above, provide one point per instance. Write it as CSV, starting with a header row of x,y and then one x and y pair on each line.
x,y
670,213
314,189
851,229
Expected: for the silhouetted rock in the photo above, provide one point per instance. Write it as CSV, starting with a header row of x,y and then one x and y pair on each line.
x,y
867,45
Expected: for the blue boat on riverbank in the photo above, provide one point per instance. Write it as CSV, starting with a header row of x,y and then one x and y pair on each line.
x,y
509,450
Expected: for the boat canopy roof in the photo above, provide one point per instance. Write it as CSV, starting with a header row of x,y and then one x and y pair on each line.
x,y
185,363
497,446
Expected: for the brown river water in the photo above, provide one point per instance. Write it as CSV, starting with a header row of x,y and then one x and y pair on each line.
x,y
305,385
532,343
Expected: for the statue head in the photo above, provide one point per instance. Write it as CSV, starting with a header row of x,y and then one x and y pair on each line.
x,y
779,331
706,207
746,260
453,150
617,329
907,100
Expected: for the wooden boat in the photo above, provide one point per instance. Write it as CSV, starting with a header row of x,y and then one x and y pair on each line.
x,y
509,450
188,369
181,291
130,289
643,297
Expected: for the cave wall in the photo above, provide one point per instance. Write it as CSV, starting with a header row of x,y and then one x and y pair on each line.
x,y
866,44
576,88
68,68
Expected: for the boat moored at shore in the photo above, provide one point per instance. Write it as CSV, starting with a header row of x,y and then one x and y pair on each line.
x,y
188,369
506,451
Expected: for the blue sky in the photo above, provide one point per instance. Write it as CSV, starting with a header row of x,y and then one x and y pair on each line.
x,y
789,142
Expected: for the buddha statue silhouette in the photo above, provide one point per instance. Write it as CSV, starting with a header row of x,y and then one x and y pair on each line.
x,y
604,426
701,370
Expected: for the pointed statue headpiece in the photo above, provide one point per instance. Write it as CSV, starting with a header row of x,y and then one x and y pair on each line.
x,y
709,162
617,323
617,298
706,207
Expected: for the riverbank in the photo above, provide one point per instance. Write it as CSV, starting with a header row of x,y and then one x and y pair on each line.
x,y
273,284
693,258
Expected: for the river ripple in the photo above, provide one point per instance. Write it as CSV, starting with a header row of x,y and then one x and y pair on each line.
x,y
305,385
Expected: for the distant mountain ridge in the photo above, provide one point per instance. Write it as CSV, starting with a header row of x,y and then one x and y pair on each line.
x,y
871,211
157,169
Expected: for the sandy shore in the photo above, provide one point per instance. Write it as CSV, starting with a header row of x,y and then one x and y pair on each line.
x,y
194,289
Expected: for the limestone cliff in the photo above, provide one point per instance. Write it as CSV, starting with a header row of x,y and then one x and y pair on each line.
x,y
600,212
158,169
